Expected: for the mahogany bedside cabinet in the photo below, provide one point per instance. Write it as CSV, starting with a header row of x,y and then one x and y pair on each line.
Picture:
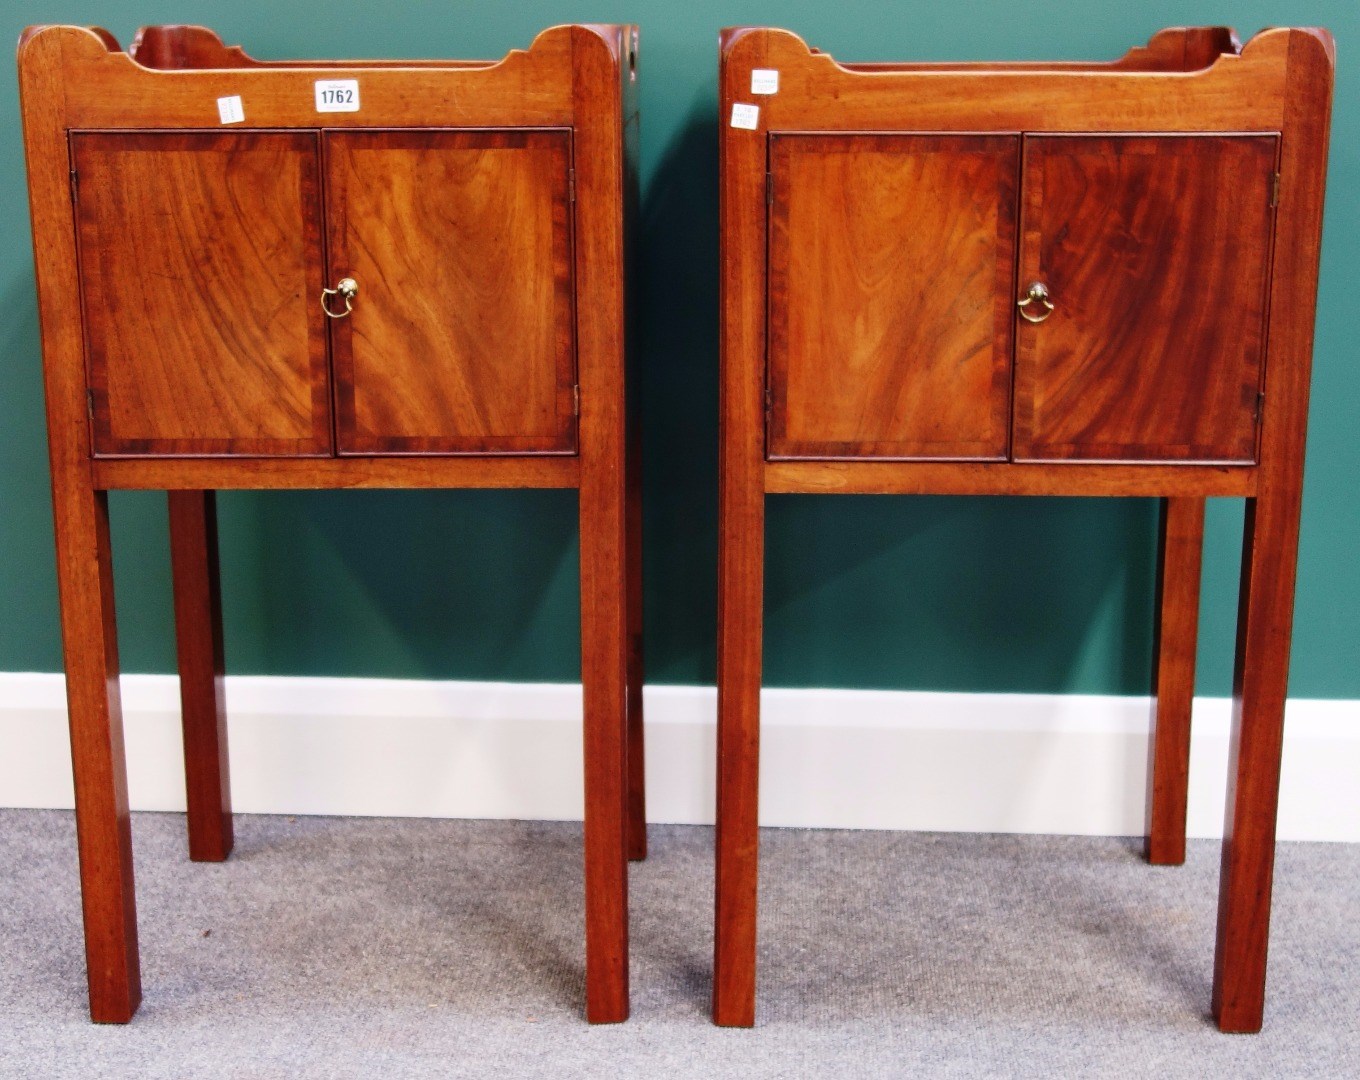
x,y
1028,279
330,274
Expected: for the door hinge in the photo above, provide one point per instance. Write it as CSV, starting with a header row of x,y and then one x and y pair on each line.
x,y
74,186
769,400
89,402
1260,404
769,188
571,185
576,400
1275,190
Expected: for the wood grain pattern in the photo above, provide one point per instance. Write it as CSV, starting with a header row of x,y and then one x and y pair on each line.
x,y
1155,251
1006,478
1270,546
741,537
157,474
83,558
109,89
202,672
891,266
1180,550
98,758
461,335
1236,92
600,73
200,257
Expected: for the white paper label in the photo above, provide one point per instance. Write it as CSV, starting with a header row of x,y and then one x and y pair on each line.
x,y
337,95
764,81
229,109
745,116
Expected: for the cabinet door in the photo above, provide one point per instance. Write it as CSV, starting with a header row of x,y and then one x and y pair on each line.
x,y
1155,253
460,340
890,275
200,267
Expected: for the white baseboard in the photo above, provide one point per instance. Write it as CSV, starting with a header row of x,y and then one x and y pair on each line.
x,y
1030,763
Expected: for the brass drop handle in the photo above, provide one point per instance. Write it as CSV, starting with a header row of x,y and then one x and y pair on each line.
x,y
1037,293
347,289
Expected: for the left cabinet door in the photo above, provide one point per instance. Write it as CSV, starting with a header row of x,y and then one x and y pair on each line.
x,y
201,272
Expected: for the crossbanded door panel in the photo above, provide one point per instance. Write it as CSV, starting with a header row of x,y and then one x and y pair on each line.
x,y
200,274
1155,253
891,267
460,340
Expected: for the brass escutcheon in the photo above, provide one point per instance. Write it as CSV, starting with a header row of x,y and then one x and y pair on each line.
x,y
347,289
1037,293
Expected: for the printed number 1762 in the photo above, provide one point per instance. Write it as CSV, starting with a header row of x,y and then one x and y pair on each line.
x,y
337,95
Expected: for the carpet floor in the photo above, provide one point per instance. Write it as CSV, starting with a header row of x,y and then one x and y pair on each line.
x,y
347,947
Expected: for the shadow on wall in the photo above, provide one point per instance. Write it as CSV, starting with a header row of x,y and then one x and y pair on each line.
x,y
403,584
950,593
25,522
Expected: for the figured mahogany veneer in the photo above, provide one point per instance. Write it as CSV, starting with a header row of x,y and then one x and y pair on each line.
x,y
461,339
891,259
1156,251
200,259
887,228
189,206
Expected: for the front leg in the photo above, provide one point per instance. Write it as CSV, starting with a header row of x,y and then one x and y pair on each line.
x,y
604,647
103,828
740,603
1259,686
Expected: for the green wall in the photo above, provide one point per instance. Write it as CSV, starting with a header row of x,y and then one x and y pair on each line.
x,y
984,594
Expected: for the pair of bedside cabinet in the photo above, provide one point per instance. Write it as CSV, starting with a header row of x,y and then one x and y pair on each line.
x,y
1010,279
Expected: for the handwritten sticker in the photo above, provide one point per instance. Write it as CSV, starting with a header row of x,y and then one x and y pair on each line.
x,y
764,81
337,95
229,109
745,116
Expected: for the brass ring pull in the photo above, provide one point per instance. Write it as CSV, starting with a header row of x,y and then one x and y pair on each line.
x,y
347,289
1037,293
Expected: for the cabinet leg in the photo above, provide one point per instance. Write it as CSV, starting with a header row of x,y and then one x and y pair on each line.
x,y
740,601
103,829
1180,550
637,773
198,638
1260,679
604,670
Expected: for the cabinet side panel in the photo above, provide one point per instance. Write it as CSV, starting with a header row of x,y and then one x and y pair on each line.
x,y
461,336
200,257
1155,251
891,259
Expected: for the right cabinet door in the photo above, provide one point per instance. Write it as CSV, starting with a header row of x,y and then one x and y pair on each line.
x,y
1154,254
460,336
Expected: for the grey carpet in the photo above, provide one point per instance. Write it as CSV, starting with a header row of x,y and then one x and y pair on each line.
x,y
395,948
